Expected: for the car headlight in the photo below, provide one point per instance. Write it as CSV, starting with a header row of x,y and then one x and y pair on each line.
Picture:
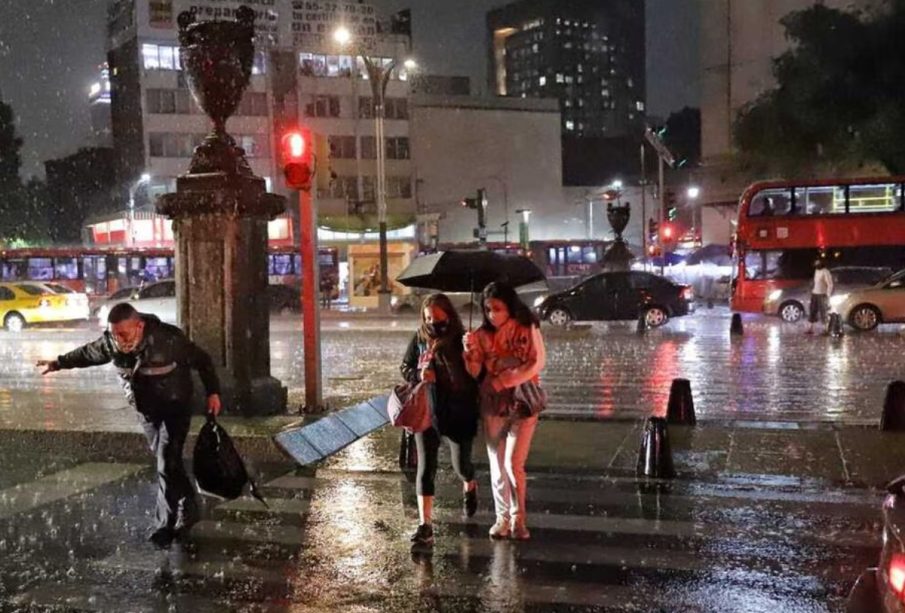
x,y
102,313
774,295
394,301
836,301
539,301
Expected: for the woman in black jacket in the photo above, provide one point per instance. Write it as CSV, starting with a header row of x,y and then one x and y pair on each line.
x,y
435,354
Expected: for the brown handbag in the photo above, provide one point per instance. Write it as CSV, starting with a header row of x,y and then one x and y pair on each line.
x,y
529,398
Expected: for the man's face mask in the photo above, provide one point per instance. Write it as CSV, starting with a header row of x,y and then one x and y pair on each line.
x,y
127,334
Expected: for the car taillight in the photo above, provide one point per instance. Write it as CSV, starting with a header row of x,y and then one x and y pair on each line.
x,y
688,294
896,573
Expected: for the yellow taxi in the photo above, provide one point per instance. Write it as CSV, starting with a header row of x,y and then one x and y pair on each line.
x,y
26,303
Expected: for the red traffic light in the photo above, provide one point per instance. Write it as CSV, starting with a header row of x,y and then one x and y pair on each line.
x,y
298,161
667,231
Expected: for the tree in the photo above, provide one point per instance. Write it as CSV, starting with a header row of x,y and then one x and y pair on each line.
x,y
839,99
22,207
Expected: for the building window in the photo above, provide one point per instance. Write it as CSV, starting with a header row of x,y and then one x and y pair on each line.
x,y
368,148
542,81
399,187
160,57
639,105
259,64
396,108
368,188
366,107
570,125
342,147
255,145
397,148
323,106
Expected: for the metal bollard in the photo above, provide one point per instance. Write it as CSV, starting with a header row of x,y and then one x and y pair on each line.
x,y
893,417
835,325
654,456
736,326
680,408
642,323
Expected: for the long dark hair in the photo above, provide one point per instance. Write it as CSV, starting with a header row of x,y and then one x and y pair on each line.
x,y
453,330
518,310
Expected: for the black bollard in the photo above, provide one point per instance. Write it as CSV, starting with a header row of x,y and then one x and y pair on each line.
x,y
736,326
642,323
893,418
835,325
655,457
680,408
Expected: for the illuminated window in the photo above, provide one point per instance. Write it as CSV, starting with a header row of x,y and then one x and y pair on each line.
x,y
570,125
149,56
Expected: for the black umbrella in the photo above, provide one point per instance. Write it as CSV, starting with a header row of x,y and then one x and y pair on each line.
x,y
468,271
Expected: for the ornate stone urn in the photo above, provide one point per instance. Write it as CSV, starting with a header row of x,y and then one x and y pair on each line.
x,y
220,212
617,256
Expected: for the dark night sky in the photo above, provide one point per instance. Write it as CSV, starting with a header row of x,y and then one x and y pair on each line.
x,y
49,51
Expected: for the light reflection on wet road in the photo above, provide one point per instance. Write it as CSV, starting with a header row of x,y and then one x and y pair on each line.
x,y
773,372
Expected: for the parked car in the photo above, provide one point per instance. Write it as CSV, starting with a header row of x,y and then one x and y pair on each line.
x,y
882,589
791,303
160,299
155,298
618,295
864,309
23,304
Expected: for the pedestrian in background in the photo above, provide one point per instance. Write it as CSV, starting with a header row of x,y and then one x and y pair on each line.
x,y
154,361
506,351
435,354
821,290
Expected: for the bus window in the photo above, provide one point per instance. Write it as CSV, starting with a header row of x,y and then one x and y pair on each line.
x,y
281,264
821,200
12,270
881,198
771,202
40,269
66,268
157,269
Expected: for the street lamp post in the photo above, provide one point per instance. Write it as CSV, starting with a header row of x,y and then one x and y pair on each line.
x,y
145,177
379,77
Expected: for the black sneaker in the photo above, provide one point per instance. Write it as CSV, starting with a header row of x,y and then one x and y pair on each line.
x,y
424,535
470,501
162,538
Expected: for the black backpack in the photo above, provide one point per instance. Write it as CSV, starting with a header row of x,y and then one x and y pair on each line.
x,y
219,469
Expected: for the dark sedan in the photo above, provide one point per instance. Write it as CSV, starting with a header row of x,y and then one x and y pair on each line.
x,y
619,295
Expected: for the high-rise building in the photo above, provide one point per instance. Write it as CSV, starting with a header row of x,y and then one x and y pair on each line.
x,y
300,75
99,109
588,54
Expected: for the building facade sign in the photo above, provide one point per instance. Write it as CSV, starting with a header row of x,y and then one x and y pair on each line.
x,y
314,21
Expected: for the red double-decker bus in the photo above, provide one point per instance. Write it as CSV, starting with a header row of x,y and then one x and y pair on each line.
x,y
784,226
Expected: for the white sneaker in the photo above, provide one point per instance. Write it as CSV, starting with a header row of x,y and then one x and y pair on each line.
x,y
499,530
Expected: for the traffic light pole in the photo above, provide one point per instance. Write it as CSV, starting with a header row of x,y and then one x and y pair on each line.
x,y
311,325
661,226
644,228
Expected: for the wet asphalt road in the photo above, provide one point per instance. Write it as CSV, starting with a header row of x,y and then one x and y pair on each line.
x,y
72,534
773,373
336,540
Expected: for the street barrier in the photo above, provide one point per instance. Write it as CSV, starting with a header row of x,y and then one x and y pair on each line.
x,y
654,456
893,418
680,407
736,326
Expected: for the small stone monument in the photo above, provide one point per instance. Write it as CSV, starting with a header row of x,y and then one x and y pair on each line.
x,y
220,212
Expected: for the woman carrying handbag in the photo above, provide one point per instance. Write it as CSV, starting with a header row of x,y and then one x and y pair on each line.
x,y
506,354
435,354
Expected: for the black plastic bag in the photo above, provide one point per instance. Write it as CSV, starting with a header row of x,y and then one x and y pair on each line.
x,y
219,469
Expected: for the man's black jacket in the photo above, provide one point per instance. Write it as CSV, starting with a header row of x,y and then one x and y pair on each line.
x,y
157,375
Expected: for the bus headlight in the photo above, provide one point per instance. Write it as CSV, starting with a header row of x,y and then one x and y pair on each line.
x,y
836,301
774,295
